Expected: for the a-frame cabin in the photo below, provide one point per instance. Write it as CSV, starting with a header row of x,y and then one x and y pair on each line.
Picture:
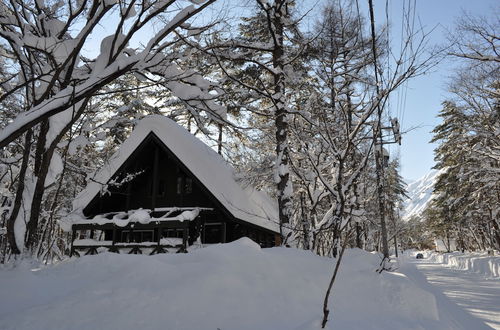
x,y
165,189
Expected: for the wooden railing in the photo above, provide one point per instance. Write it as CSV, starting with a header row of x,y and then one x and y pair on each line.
x,y
164,220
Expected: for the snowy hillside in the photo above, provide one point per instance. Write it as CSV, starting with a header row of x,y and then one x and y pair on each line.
x,y
236,286
420,194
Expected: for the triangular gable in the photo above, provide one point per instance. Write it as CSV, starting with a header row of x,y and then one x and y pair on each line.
x,y
206,165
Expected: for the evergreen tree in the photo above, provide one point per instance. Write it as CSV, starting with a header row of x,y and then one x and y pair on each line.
x,y
469,145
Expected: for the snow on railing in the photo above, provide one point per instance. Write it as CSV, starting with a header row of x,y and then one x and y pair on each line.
x,y
143,216
165,241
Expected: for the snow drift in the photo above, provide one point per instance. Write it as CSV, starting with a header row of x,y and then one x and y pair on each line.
x,y
226,286
478,262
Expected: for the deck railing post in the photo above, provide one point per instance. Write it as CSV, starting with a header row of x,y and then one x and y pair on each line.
x,y
160,231
185,234
113,246
73,233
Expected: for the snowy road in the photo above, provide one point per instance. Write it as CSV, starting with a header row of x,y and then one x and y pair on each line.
x,y
476,294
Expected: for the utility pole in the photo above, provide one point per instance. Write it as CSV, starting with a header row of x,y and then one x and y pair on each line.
x,y
395,237
380,159
379,166
377,135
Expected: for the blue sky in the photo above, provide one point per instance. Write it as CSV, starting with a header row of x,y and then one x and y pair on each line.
x,y
425,93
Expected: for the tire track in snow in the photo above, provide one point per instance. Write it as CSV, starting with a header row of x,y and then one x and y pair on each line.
x,y
473,292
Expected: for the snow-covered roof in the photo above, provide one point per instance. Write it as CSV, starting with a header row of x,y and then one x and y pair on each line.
x,y
214,173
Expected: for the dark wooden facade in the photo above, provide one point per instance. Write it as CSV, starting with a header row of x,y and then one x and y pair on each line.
x,y
154,178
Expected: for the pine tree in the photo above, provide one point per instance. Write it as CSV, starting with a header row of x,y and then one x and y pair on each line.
x,y
469,145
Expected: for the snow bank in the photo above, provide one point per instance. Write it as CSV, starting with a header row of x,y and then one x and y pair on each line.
x,y
235,286
480,263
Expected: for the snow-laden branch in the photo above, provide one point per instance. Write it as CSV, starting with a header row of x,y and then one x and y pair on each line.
x,y
59,78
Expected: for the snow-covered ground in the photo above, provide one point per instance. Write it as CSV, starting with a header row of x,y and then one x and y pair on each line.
x,y
471,281
233,286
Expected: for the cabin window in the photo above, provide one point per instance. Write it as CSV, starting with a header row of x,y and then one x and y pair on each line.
x,y
137,236
213,233
179,185
184,185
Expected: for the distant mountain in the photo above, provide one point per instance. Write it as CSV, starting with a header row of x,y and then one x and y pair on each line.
x,y
420,194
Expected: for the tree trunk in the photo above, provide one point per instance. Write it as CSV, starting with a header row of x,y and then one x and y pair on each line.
x,y
11,235
396,245
219,140
326,310
41,175
36,203
281,123
40,172
358,236
305,222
